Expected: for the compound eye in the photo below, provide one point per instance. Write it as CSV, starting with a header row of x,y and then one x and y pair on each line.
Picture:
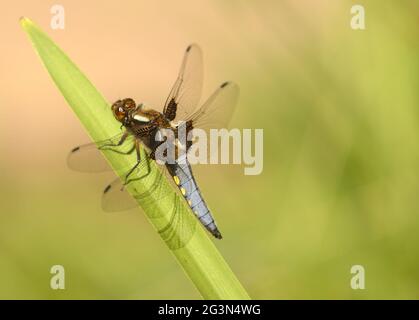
x,y
129,104
119,113
118,110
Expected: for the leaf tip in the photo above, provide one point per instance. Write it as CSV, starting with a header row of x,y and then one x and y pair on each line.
x,y
25,22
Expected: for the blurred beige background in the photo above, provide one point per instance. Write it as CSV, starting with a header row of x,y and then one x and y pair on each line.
x,y
339,109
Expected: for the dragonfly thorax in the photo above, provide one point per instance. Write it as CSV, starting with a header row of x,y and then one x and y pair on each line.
x,y
129,114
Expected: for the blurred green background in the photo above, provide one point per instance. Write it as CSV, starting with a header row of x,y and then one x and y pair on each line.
x,y
339,109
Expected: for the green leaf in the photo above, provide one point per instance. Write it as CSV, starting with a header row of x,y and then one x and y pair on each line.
x,y
185,238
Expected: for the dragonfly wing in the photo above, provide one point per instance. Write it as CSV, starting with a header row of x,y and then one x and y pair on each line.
x,y
186,91
181,224
218,110
122,195
116,196
215,113
89,158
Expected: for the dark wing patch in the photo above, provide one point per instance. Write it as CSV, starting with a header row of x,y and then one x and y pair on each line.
x,y
171,108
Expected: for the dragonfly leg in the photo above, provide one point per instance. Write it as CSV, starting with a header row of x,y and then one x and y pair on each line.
x,y
119,151
120,142
108,146
137,149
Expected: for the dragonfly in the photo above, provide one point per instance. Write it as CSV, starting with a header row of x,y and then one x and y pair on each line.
x,y
141,127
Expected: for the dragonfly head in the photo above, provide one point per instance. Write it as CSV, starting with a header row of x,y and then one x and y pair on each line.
x,y
122,109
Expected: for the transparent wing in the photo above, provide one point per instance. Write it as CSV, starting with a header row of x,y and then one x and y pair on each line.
x,y
215,113
119,196
116,196
88,157
218,110
186,92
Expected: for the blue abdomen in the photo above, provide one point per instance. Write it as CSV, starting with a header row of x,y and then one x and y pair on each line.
x,y
184,179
